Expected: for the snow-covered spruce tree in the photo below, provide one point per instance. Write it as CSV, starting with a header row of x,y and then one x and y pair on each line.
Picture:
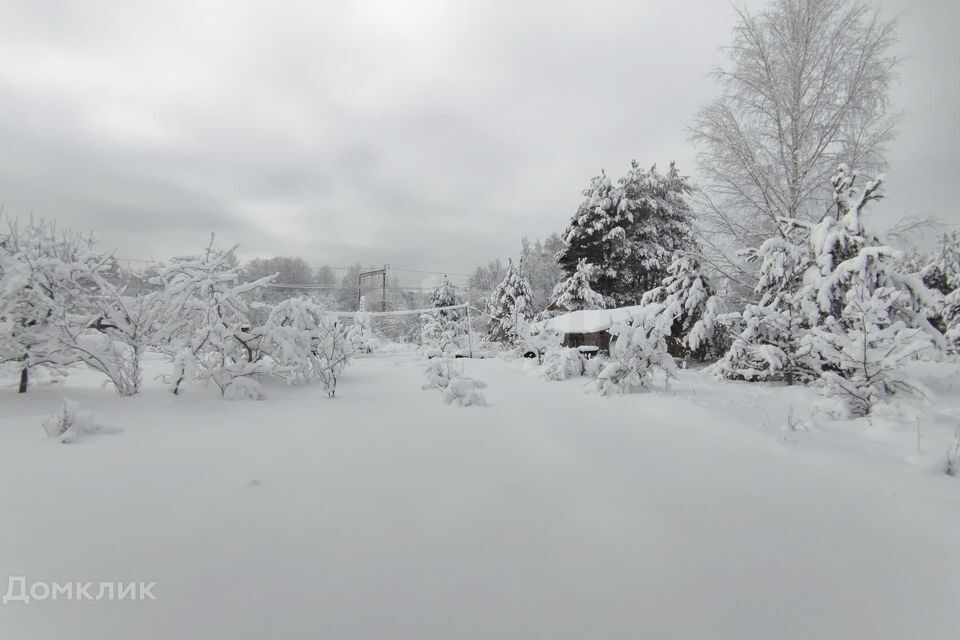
x,y
950,313
207,331
941,271
941,274
767,334
442,329
835,285
686,293
47,284
594,234
510,305
628,232
574,293
846,256
444,295
638,353
539,261
865,349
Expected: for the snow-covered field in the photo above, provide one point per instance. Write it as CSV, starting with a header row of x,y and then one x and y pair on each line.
x,y
549,513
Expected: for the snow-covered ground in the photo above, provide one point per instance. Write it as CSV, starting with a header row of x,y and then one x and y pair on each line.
x,y
550,513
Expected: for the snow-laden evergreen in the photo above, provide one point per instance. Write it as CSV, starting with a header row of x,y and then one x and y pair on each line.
x,y
443,330
827,289
629,232
510,305
574,293
686,293
639,358
941,273
864,350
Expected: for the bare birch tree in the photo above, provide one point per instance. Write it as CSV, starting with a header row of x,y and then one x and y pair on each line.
x,y
804,89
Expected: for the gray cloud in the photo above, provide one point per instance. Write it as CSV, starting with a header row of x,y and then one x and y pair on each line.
x,y
425,134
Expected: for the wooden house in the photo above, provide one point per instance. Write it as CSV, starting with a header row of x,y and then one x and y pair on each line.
x,y
589,330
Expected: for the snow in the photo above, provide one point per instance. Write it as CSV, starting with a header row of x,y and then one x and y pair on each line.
x,y
550,513
592,320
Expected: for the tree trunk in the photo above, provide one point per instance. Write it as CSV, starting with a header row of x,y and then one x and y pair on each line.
x,y
24,379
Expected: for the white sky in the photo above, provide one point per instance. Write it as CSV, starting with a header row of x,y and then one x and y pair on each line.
x,y
424,134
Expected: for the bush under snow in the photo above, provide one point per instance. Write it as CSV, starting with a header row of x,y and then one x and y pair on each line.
x,y
69,425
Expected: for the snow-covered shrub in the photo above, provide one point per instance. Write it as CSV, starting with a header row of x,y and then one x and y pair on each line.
x,y
290,337
446,375
244,389
864,351
562,364
48,280
464,391
69,425
207,329
951,465
638,354
440,371
335,348
593,366
125,326
537,339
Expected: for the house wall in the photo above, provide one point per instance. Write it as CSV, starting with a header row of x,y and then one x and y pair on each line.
x,y
599,339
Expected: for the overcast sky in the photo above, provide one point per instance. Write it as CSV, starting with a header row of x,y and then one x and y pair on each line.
x,y
428,135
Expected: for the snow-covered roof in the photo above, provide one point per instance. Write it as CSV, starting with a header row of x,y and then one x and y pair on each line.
x,y
592,320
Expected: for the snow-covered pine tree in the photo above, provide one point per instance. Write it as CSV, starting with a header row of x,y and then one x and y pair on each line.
x,y
638,353
575,294
847,257
629,232
941,271
864,350
661,224
950,315
593,234
510,305
686,293
767,341
827,289
941,274
442,329
444,295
